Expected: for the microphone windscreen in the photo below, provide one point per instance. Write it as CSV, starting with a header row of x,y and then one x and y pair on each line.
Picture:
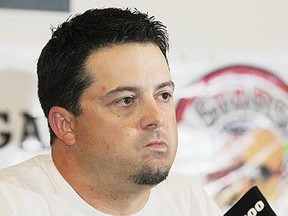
x,y
252,203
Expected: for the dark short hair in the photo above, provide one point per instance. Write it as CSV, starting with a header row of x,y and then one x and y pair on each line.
x,y
62,76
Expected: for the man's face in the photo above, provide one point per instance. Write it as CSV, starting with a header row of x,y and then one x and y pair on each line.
x,y
127,130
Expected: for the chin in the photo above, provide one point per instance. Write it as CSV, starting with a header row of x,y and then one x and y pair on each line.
x,y
150,177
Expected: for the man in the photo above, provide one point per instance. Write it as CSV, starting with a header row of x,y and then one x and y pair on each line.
x,y
106,90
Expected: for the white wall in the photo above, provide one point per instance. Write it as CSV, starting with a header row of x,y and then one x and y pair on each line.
x,y
204,35
203,30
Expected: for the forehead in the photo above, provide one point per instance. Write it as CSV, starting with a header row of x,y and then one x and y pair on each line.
x,y
127,64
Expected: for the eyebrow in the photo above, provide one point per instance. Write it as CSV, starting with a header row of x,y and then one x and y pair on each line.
x,y
166,84
120,89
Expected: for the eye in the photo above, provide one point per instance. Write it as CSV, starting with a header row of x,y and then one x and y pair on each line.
x,y
165,96
126,101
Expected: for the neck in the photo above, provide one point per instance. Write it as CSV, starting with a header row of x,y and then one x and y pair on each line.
x,y
110,195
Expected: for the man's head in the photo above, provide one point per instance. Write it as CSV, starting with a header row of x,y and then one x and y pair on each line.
x,y
106,89
62,76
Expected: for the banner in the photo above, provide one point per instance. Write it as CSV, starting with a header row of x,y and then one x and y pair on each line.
x,y
233,129
23,128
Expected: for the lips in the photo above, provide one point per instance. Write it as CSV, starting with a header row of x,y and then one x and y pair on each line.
x,y
159,145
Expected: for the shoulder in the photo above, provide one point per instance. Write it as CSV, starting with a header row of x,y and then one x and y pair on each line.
x,y
182,191
185,186
181,185
19,186
26,172
179,181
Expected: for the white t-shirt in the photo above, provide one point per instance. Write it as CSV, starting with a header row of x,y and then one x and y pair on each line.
x,y
36,188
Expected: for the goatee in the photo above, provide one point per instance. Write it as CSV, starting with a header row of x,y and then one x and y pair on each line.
x,y
148,177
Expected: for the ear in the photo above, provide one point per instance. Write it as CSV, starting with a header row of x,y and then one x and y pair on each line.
x,y
61,122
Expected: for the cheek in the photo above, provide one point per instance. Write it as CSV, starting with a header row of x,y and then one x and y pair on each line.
x,y
172,123
175,130
117,140
124,137
172,132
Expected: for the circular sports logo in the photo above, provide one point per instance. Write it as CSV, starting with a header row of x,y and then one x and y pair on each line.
x,y
233,127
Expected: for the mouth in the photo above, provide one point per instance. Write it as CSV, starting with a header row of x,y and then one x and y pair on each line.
x,y
159,145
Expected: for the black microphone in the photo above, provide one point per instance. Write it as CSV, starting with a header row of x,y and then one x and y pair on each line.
x,y
252,203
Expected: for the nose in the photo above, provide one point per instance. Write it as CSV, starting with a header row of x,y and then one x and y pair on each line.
x,y
151,116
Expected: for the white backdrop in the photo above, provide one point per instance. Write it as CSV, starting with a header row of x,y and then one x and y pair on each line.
x,y
205,35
